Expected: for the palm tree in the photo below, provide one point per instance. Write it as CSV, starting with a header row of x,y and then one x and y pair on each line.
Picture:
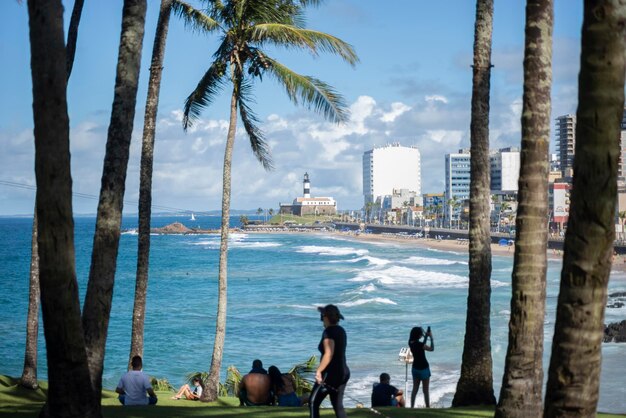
x,y
622,217
29,372
504,206
97,306
573,377
521,391
247,26
70,393
194,19
475,386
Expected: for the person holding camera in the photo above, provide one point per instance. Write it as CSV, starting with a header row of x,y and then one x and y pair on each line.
x,y
421,369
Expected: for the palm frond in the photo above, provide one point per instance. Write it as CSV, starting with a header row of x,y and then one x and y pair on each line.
x,y
202,96
313,93
291,36
250,123
194,18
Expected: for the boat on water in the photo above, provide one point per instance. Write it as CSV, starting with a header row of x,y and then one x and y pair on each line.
x,y
193,218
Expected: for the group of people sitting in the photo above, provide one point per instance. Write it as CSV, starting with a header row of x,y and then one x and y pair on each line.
x,y
268,387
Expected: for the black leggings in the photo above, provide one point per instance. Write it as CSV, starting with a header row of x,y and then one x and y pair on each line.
x,y
318,394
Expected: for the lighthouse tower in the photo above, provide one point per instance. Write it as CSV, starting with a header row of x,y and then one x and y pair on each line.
x,y
307,186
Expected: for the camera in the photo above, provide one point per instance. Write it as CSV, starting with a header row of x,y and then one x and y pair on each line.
x,y
428,330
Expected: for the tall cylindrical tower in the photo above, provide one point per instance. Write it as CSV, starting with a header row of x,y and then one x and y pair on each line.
x,y
307,185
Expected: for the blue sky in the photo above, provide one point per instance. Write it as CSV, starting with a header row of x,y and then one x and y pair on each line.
x,y
412,85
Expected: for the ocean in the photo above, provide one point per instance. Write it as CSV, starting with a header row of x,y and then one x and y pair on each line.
x,y
275,283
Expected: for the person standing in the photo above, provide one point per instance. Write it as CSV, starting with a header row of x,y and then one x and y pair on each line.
x,y
421,369
134,385
333,373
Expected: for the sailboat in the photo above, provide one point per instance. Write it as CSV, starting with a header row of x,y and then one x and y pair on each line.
x,y
193,218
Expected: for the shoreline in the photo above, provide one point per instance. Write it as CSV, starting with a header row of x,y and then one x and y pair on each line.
x,y
457,246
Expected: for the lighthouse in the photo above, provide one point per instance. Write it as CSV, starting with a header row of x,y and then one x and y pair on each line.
x,y
307,186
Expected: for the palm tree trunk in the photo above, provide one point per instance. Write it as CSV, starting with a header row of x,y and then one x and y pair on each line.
x,y
573,378
69,393
72,35
97,306
211,392
521,391
475,386
145,180
29,372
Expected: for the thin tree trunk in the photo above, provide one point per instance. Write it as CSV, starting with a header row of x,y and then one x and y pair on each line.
x,y
211,392
97,307
29,372
69,393
145,180
575,363
521,391
475,386
72,35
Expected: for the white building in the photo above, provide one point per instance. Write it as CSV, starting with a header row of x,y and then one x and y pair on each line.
x,y
307,205
457,183
505,165
390,167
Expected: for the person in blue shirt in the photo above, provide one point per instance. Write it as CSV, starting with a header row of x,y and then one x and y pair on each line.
x,y
384,394
134,385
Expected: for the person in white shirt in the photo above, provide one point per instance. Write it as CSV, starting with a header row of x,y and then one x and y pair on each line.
x,y
188,393
134,385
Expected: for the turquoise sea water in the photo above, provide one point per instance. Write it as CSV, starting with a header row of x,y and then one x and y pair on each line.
x,y
275,283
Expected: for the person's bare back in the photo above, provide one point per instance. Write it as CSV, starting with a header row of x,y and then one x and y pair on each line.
x,y
254,389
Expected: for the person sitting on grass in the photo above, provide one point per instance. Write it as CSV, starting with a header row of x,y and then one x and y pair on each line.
x,y
284,389
134,385
384,394
188,393
254,389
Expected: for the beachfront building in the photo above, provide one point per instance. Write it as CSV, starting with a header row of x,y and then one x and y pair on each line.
x,y
388,168
558,198
307,205
505,165
457,184
433,204
565,143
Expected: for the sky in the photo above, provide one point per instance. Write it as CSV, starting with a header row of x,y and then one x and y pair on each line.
x,y
412,85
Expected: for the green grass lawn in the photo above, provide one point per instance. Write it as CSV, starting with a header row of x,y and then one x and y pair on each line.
x,y
17,402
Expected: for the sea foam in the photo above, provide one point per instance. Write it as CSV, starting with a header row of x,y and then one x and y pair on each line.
x,y
330,251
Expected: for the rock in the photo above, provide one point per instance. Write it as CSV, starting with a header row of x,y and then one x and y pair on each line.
x,y
615,333
618,295
175,228
616,305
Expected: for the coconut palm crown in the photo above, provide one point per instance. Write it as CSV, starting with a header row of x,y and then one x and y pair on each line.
x,y
247,26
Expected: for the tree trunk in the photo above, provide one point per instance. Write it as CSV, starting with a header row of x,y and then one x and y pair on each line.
x,y
573,378
99,295
72,35
29,373
521,391
69,393
211,392
145,180
475,386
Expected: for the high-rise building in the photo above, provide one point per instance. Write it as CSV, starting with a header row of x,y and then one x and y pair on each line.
x,y
457,182
565,143
391,167
505,165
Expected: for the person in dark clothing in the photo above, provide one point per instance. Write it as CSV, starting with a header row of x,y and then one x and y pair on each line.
x,y
421,369
333,373
384,394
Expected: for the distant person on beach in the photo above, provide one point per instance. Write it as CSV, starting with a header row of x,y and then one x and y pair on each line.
x,y
384,394
188,393
134,385
257,367
333,373
284,388
421,369
254,388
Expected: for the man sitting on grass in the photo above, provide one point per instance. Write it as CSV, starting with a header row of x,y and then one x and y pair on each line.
x,y
254,389
383,394
134,385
